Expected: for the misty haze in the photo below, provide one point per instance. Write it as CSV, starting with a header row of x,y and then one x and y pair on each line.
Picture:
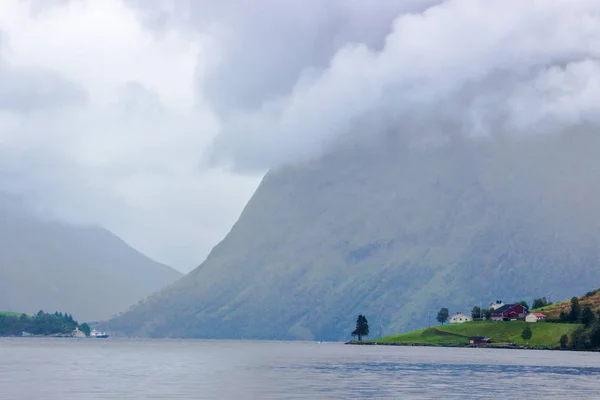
x,y
228,175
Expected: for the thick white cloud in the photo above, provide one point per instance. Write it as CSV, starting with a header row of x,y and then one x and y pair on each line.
x,y
463,66
100,123
110,109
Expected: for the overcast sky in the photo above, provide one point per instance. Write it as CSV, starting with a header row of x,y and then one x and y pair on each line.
x,y
157,119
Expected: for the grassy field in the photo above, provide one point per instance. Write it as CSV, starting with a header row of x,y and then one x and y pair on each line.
x,y
426,336
544,334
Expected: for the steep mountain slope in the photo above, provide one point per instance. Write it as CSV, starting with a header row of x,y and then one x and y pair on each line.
x,y
86,271
395,234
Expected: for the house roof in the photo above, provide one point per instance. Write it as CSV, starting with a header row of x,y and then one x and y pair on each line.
x,y
537,314
504,308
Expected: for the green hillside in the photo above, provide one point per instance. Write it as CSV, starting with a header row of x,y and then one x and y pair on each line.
x,y
591,299
544,334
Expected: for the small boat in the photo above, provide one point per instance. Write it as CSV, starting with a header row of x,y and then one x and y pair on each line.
x,y
98,335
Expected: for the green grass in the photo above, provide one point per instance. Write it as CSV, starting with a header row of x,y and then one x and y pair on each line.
x,y
11,314
544,334
425,336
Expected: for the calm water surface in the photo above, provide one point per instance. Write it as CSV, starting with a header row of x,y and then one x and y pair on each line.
x,y
52,369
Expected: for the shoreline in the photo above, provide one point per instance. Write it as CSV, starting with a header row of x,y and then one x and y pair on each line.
x,y
469,346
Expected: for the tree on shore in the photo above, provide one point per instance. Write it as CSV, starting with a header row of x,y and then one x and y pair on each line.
x,y
40,324
524,304
85,328
526,334
539,303
587,316
476,313
443,315
575,313
563,317
362,327
487,314
564,341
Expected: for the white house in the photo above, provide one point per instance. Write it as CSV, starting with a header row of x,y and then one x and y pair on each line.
x,y
535,317
496,305
459,318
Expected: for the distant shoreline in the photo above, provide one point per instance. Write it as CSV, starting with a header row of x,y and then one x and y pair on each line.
x,y
468,346
58,336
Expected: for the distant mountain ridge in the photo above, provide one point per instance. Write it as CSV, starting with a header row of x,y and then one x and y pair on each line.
x,y
54,266
393,233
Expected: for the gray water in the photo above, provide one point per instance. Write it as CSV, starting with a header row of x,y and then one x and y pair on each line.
x,y
53,369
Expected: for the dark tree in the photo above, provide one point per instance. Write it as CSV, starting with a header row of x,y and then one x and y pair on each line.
x,y
564,341
487,314
524,304
595,335
526,334
575,313
362,327
85,328
579,339
563,317
476,313
587,316
443,315
539,303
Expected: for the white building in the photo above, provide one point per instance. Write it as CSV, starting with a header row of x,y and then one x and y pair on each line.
x,y
460,318
496,305
535,317
77,333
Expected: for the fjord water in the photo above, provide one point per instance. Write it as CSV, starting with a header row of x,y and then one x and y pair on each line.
x,y
53,369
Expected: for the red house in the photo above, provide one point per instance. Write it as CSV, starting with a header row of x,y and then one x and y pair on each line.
x,y
509,312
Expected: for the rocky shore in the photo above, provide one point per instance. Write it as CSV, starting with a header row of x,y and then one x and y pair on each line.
x,y
473,346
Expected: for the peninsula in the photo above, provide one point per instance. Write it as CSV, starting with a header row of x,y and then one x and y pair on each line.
x,y
572,324
41,324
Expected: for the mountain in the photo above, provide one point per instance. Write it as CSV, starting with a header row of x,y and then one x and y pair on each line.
x,y
395,230
84,270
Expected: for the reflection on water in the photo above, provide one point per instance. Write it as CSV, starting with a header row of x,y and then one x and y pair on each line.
x,y
167,369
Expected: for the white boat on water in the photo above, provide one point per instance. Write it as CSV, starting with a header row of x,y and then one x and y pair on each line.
x,y
98,334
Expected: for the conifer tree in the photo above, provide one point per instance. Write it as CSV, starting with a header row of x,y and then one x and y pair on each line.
x,y
362,327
